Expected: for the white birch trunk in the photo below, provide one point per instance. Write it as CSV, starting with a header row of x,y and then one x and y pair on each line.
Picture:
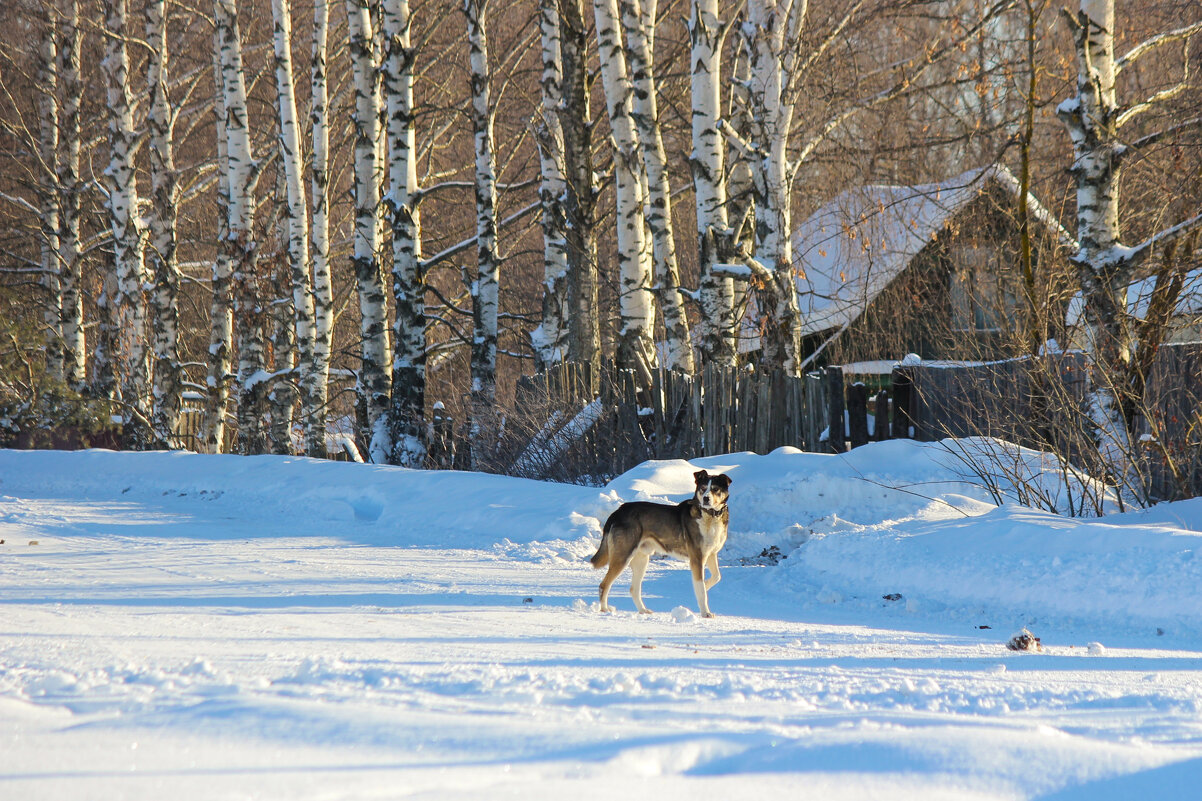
x,y
162,265
639,22
241,171
716,323
1091,118
550,338
772,30
323,288
221,308
296,223
407,408
284,393
635,347
284,388
69,263
580,198
485,290
48,143
126,226
374,378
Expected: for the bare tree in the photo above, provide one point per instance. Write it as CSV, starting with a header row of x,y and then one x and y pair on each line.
x,y
484,287
550,337
221,307
715,238
639,21
162,263
128,240
635,345
407,408
243,172
1105,266
48,142
374,387
70,188
291,166
580,204
323,289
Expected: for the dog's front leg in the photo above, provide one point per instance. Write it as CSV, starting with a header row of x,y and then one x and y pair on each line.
x,y
699,588
715,574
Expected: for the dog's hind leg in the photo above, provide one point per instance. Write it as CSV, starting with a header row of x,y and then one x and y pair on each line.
x,y
715,573
617,563
638,567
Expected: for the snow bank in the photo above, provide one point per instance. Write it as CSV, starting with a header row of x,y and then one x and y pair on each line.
x,y
896,517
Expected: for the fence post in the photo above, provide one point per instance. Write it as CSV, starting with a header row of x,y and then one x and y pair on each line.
x,y
833,378
903,393
442,442
815,407
880,426
857,414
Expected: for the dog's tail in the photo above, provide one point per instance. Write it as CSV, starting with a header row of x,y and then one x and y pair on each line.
x,y
601,557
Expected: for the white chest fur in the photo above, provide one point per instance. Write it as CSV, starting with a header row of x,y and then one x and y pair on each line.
x,y
713,532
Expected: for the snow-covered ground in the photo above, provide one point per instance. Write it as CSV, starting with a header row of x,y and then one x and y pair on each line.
x,y
197,627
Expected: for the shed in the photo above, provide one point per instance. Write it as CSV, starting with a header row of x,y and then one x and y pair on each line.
x,y
931,269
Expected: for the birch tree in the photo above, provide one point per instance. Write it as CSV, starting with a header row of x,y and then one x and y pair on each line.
x,y
48,146
242,171
129,316
485,288
1095,120
773,38
407,407
715,239
323,288
221,307
550,338
635,345
773,31
71,325
639,21
580,197
283,325
296,222
162,264
374,385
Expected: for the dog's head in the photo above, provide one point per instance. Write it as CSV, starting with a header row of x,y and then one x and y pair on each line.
x,y
712,490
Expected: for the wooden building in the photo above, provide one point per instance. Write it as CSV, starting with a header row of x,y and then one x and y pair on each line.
x,y
932,269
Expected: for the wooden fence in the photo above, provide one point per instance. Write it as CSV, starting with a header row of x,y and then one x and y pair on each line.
x,y
1034,402
571,423
678,417
1027,401
1171,423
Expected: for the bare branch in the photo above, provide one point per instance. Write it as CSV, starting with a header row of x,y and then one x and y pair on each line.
x,y
454,250
1146,46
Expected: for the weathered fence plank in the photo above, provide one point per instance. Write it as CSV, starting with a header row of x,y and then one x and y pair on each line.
x,y
857,414
833,378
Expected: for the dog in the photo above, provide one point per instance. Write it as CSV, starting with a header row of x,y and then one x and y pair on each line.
x,y
693,530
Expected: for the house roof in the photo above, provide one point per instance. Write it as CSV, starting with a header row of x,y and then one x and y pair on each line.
x,y
849,250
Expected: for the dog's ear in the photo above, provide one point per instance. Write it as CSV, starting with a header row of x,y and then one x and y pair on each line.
x,y
700,476
723,479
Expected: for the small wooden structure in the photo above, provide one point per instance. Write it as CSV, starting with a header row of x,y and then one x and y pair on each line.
x,y
931,269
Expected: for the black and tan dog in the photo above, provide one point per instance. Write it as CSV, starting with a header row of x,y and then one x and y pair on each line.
x,y
694,530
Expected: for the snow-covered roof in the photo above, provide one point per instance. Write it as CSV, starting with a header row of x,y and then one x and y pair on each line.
x,y
1139,296
849,250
